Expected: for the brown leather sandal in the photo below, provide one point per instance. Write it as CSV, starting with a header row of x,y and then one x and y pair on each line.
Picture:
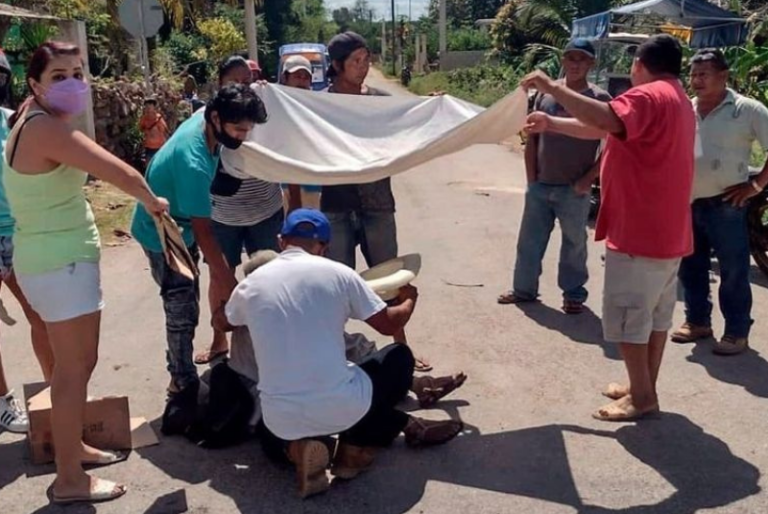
x,y
430,390
423,432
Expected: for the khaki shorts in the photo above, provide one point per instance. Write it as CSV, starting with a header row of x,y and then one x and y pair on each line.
x,y
638,297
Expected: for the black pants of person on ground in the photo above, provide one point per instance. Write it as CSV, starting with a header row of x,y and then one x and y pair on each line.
x,y
391,372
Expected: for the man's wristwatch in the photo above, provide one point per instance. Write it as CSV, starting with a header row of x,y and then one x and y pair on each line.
x,y
755,186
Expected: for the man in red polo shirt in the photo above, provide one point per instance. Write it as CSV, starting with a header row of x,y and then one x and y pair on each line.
x,y
645,216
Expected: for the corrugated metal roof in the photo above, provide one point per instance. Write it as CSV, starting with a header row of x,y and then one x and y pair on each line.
x,y
18,12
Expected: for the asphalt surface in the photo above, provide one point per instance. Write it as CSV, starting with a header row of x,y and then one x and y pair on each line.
x,y
534,379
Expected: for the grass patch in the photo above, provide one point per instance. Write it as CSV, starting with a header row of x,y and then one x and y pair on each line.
x,y
481,85
113,210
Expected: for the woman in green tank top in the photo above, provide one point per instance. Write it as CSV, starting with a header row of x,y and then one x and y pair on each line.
x,y
57,247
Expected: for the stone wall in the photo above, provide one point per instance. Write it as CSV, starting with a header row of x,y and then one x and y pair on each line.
x,y
117,106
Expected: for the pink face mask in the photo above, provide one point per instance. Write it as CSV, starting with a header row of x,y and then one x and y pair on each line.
x,y
69,96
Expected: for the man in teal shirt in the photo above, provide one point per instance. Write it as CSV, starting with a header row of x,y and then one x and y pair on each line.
x,y
182,172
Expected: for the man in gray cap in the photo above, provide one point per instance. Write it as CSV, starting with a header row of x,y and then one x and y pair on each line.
x,y
560,171
297,72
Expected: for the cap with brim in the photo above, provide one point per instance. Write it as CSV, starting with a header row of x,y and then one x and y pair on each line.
x,y
297,62
307,224
581,45
253,65
387,278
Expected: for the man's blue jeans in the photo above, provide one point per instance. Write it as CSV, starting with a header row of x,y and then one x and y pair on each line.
x,y
722,227
374,232
181,302
543,205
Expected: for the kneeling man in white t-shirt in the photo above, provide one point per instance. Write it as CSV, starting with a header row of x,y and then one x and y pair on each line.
x,y
295,308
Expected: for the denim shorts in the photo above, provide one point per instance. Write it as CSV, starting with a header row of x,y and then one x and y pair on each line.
x,y
261,236
6,257
64,294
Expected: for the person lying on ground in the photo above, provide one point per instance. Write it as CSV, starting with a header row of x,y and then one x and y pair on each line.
x,y
296,308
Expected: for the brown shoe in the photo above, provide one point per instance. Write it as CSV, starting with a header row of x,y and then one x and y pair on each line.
x,y
689,333
730,345
311,458
350,460
423,432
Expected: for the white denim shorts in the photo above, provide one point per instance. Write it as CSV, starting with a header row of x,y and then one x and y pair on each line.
x,y
65,293
639,297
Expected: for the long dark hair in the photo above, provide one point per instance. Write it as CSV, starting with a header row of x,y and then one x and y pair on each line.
x,y
231,63
38,63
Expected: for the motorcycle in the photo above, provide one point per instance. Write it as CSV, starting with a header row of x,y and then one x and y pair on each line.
x,y
757,221
405,75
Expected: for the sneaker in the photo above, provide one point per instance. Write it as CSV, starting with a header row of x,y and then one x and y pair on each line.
x,y
12,415
689,333
731,345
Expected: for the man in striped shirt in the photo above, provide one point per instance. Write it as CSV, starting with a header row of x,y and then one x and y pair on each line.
x,y
247,213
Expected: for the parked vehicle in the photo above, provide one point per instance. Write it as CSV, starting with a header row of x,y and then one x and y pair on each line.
x,y
317,55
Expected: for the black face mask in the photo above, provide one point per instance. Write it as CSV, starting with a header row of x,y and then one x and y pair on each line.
x,y
226,140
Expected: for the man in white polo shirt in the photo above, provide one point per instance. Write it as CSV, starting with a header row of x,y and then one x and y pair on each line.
x,y
729,124
295,308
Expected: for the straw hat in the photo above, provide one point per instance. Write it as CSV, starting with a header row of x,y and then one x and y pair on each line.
x,y
387,278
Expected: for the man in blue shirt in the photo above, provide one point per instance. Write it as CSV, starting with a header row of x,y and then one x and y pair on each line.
x,y
182,172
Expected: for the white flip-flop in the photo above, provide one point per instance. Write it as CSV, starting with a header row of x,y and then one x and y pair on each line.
x,y
103,491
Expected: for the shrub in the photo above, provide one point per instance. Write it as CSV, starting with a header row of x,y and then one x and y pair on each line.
x,y
481,85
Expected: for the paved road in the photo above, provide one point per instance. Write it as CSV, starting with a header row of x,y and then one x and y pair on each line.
x,y
530,445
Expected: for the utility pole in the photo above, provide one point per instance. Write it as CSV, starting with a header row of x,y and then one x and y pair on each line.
x,y
250,30
394,41
443,29
410,12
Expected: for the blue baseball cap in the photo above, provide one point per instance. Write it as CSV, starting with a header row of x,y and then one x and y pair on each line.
x,y
582,45
307,224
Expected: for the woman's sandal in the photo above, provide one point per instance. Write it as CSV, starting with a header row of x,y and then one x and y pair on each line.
x,y
423,432
101,491
430,390
105,459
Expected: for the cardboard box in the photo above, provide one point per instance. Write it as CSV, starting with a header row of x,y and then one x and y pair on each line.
x,y
107,423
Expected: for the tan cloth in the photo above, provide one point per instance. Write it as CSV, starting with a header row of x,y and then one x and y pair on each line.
x,y
176,253
331,140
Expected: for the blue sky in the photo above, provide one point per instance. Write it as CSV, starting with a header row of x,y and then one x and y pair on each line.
x,y
418,7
